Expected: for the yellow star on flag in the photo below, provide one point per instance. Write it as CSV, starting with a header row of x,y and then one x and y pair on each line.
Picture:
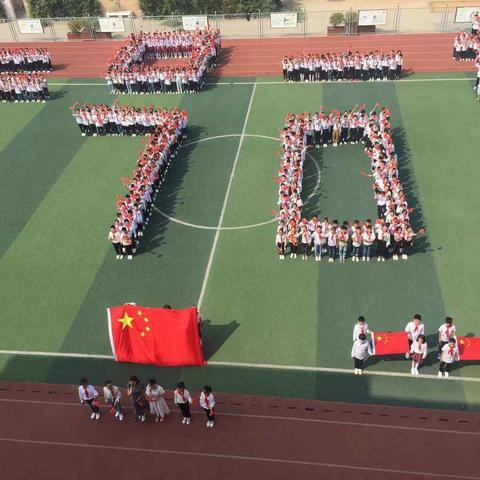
x,y
462,341
379,338
139,312
147,329
142,334
146,320
126,321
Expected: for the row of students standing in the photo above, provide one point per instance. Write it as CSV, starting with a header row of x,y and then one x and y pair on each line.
x,y
447,350
466,47
25,60
146,398
23,87
352,66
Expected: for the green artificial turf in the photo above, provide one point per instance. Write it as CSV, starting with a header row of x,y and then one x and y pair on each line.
x,y
59,272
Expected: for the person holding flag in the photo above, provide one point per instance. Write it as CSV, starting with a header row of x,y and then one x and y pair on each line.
x,y
449,355
414,328
89,395
446,331
182,398
361,349
418,352
207,402
112,396
360,327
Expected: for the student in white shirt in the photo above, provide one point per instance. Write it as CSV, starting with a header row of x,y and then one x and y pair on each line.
x,y
112,396
414,328
448,356
89,395
360,327
418,352
446,331
207,402
360,351
182,398
281,242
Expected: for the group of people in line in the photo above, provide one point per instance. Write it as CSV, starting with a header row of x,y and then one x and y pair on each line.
x,y
466,47
23,87
101,119
129,72
447,348
25,60
353,66
391,231
146,398
134,209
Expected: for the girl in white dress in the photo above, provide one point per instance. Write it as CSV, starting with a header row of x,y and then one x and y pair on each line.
x,y
158,407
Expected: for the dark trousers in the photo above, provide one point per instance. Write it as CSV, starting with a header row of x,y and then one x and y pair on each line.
x,y
185,409
440,346
94,408
209,413
445,367
358,363
118,248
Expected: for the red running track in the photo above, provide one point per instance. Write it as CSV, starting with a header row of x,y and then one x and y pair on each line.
x,y
46,434
262,57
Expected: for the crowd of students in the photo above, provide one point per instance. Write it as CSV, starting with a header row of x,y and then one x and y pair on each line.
x,y
128,71
23,87
466,47
101,119
134,209
447,349
25,60
354,66
390,232
146,398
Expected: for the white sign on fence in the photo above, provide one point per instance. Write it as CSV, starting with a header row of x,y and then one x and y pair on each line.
x,y
111,24
192,22
283,20
464,14
372,17
32,25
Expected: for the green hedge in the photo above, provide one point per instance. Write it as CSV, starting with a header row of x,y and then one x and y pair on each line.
x,y
180,7
63,8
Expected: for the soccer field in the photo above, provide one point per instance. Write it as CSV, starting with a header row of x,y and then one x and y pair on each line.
x,y
272,327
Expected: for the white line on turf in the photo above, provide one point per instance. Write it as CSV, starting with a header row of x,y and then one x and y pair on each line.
x,y
275,418
240,227
280,82
184,453
225,201
267,366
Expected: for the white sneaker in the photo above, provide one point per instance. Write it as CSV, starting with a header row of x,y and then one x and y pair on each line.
x,y
368,259
412,371
120,417
356,371
395,257
360,372
446,374
383,259
330,260
379,259
92,416
208,424
439,374
404,257
143,418
184,420
117,414
363,259
121,256
416,371
129,257
118,257
188,421
211,424
97,416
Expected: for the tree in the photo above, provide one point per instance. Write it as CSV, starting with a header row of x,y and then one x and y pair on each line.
x,y
3,13
63,8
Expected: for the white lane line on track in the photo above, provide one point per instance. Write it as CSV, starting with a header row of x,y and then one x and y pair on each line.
x,y
224,456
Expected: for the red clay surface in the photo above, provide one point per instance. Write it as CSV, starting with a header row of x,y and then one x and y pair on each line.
x,y
262,57
46,434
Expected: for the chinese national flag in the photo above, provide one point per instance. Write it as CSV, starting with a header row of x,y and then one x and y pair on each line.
x,y
390,343
469,348
155,336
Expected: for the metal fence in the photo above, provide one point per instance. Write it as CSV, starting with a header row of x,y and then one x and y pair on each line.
x,y
254,25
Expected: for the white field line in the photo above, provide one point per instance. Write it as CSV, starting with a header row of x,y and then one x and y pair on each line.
x,y
224,456
277,82
225,201
266,366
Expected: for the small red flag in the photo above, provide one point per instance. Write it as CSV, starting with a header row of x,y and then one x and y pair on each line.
x,y
125,181
389,343
155,336
469,348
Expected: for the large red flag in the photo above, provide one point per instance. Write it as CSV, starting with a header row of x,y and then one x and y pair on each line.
x,y
469,348
390,343
155,336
